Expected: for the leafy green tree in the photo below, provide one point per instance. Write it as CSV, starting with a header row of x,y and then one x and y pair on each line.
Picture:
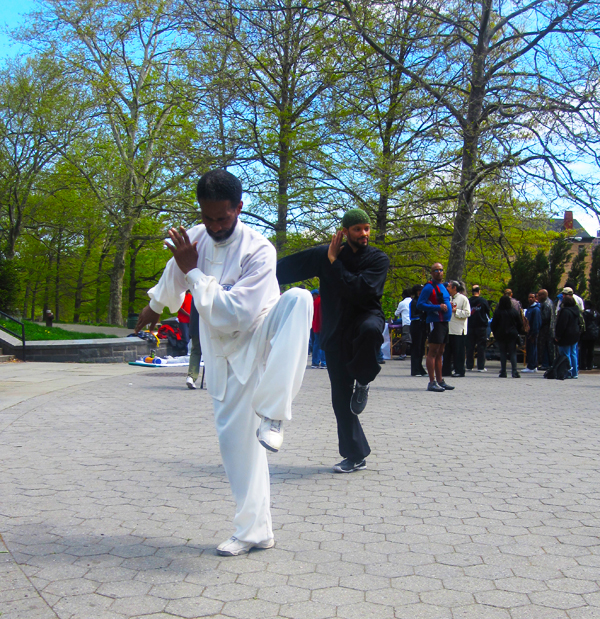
x,y
284,60
524,276
39,116
577,275
505,100
8,285
130,57
558,257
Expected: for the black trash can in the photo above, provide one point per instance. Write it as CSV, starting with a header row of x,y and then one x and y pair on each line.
x,y
132,320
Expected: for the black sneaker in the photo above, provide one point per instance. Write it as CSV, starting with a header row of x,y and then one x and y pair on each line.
x,y
435,387
502,375
445,386
516,375
359,398
347,466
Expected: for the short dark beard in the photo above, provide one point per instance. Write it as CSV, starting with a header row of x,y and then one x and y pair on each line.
x,y
222,235
355,246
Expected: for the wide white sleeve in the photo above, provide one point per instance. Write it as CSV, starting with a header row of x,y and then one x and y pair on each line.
x,y
236,309
398,309
170,290
464,311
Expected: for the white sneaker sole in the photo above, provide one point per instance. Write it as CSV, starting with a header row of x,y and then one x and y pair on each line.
x,y
246,549
266,445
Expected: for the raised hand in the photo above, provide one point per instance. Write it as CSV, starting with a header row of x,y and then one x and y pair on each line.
x,y
335,247
184,252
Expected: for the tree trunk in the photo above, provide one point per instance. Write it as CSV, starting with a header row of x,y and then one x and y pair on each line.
x,y
57,278
27,293
80,285
117,275
103,256
470,150
47,286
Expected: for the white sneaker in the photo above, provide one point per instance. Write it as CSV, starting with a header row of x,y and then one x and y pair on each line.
x,y
528,370
270,433
189,381
233,547
484,370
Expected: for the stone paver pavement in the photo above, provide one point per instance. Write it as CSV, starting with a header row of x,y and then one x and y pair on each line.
x,y
481,503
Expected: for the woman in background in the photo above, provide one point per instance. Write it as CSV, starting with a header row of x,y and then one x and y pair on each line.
x,y
506,326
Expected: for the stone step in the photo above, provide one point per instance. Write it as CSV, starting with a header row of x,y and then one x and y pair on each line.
x,y
4,358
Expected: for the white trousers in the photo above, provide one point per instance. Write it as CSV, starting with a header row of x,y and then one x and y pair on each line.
x,y
268,393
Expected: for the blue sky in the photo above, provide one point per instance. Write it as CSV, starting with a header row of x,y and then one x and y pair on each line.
x,y
11,12
11,16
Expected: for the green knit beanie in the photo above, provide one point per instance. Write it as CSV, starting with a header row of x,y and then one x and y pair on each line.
x,y
354,216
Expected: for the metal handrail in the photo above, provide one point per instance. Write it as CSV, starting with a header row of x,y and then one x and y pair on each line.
x,y
19,337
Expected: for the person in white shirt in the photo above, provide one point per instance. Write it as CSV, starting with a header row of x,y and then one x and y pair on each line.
x,y
254,343
403,311
578,300
454,354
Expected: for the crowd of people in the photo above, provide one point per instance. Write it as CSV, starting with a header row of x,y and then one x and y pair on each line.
x,y
458,330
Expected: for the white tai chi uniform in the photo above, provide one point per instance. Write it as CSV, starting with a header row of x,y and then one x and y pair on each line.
x,y
254,345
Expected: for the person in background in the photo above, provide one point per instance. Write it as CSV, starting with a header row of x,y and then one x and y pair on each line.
x,y
454,354
546,334
534,319
567,290
403,311
434,300
183,316
567,331
196,351
477,329
318,354
515,302
506,325
589,337
418,334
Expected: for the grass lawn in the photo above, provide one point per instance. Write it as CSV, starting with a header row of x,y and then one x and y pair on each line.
x,y
36,332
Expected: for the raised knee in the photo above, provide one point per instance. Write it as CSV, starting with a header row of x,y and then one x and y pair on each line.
x,y
298,295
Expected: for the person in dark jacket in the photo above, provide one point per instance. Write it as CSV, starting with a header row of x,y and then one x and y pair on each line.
x,y
567,331
546,334
418,334
534,318
352,276
589,337
506,326
477,329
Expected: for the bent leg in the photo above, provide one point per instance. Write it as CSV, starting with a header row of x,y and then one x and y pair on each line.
x,y
367,338
244,459
284,334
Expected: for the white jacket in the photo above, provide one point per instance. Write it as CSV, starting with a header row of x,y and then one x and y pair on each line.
x,y
458,322
233,288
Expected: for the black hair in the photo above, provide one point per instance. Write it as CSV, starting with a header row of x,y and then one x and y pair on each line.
x,y
407,292
504,303
219,185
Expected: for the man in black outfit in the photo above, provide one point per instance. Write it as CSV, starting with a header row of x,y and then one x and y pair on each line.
x,y
352,276
477,329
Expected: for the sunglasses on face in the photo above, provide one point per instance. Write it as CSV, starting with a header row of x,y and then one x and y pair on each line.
x,y
437,270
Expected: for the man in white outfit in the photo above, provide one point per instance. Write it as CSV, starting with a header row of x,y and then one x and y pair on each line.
x,y
254,343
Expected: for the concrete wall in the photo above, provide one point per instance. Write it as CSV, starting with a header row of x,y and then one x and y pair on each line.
x,y
113,350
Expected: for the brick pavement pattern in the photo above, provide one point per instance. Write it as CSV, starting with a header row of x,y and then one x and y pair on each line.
x,y
481,503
